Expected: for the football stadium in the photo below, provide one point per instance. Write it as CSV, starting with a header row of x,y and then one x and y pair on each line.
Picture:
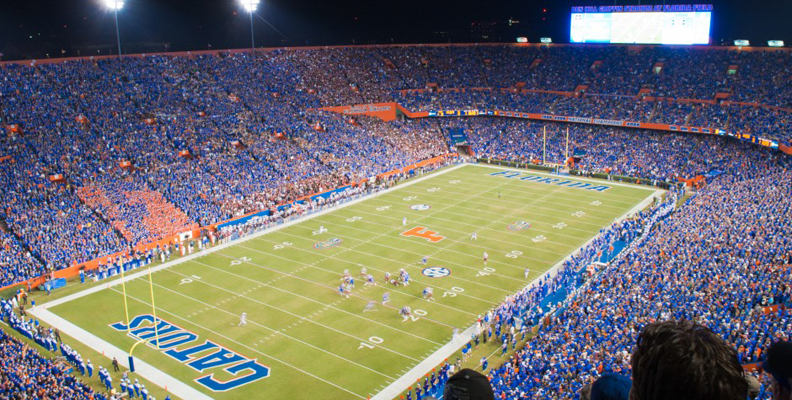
x,y
486,212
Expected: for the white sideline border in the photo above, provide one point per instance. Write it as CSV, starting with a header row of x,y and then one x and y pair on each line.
x,y
146,370
185,391
406,381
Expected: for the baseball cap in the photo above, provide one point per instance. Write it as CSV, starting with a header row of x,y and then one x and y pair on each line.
x,y
468,385
611,387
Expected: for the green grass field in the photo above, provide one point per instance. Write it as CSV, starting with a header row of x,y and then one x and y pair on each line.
x,y
318,344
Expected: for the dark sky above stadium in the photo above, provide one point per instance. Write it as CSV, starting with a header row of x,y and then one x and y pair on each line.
x,y
37,28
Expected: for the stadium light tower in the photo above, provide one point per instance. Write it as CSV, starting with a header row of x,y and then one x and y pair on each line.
x,y
250,6
115,6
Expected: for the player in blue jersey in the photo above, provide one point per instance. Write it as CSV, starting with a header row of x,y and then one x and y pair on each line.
x,y
370,281
371,306
428,293
343,291
406,313
425,259
386,298
483,363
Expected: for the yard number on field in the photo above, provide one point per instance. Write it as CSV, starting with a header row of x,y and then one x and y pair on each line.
x,y
486,271
596,203
419,313
410,198
190,279
371,342
353,219
454,182
383,208
240,260
454,291
560,225
514,254
432,190
282,245
578,214
320,231
539,239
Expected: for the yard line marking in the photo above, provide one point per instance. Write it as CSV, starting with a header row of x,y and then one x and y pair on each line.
x,y
585,200
370,269
475,226
319,302
246,346
401,384
356,295
301,318
418,255
439,250
258,324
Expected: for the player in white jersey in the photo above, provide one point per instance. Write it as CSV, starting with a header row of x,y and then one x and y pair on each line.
x,y
387,277
425,259
427,293
371,306
527,272
474,236
370,281
243,319
363,272
406,313
404,221
386,298
486,257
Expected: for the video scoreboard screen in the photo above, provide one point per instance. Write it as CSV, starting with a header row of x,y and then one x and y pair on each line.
x,y
651,24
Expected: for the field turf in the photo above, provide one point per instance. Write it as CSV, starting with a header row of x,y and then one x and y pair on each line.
x,y
318,344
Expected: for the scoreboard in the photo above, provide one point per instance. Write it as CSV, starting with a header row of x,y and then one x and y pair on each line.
x,y
651,24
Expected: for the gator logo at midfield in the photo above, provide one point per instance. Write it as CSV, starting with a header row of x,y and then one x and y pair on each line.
x,y
221,368
421,207
332,242
519,226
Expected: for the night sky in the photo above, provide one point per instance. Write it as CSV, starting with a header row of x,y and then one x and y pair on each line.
x,y
37,28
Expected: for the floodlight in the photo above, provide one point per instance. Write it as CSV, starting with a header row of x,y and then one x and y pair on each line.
x,y
742,42
546,40
775,43
114,5
250,5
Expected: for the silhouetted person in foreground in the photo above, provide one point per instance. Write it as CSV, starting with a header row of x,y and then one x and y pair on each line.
x,y
685,361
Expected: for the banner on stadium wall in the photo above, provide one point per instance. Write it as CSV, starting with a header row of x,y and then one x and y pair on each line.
x,y
383,111
608,122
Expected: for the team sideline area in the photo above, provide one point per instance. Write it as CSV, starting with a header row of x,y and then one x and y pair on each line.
x,y
303,324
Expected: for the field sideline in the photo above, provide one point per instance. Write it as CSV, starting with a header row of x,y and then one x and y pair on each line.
x,y
303,336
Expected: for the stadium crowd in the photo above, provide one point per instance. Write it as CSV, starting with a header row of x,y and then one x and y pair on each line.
x,y
719,261
104,155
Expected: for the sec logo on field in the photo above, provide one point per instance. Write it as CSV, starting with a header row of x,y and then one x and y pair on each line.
x,y
421,207
436,272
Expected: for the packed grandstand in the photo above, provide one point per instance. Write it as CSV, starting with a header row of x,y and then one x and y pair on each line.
x,y
100,157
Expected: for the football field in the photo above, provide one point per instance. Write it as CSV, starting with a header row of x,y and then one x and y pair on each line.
x,y
302,339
